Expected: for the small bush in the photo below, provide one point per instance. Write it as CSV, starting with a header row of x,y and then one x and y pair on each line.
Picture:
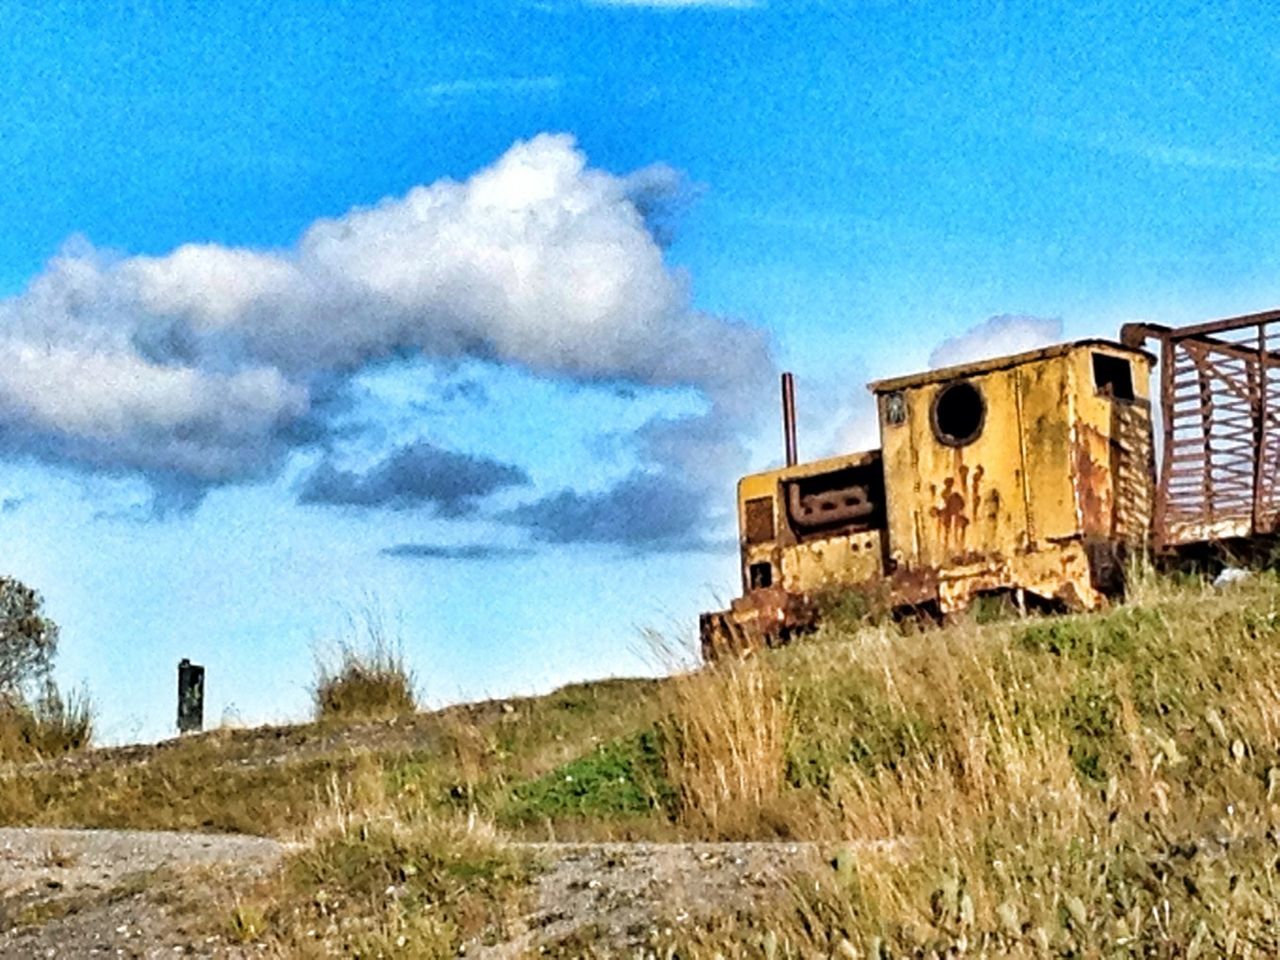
x,y
367,678
45,726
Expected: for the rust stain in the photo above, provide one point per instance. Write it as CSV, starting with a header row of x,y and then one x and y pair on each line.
x,y
1093,482
950,514
1056,463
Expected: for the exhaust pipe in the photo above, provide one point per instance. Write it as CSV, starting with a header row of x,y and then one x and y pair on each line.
x,y
789,417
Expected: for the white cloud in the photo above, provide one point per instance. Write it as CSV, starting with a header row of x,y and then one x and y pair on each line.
x,y
995,337
197,366
487,86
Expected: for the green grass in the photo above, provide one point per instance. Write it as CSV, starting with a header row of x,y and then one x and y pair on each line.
x,y
623,778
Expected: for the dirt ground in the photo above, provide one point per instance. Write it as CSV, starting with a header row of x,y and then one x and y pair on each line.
x,y
622,895
87,893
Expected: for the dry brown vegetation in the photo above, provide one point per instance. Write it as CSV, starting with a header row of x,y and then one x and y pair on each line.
x,y
364,675
1102,785
1088,786
48,725
724,739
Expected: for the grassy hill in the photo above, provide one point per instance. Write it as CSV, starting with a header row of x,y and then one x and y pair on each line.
x,y
1100,785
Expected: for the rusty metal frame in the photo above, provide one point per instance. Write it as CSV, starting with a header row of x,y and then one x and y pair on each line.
x,y
1220,413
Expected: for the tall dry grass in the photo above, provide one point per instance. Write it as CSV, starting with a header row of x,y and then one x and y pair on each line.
x,y
47,725
724,740
1084,786
363,674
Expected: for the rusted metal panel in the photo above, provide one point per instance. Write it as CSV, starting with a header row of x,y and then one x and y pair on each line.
x,y
803,530
820,565
1057,464
1030,472
758,522
1113,467
947,501
1048,392
1220,400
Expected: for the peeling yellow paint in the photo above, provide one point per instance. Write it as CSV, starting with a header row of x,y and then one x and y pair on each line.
x,y
1026,473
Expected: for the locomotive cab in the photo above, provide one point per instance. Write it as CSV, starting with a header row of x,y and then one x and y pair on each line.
x,y
1030,473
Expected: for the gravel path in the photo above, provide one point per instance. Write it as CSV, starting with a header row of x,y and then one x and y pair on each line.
x,y
84,893
102,893
619,893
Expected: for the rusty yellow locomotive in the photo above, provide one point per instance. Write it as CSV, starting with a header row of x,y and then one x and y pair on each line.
x,y
1032,475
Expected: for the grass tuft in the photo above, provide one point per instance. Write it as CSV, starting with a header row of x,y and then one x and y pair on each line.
x,y
45,726
724,744
380,877
365,677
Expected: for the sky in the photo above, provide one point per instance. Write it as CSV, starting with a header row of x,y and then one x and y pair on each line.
x,y
471,314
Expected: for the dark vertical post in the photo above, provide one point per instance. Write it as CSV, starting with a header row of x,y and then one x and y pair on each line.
x,y
789,417
190,697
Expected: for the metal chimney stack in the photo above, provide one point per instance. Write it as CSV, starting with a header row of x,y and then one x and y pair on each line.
x,y
789,417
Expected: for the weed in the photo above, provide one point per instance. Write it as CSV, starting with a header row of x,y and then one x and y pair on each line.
x,y
621,778
725,744
46,726
366,677
386,885
841,611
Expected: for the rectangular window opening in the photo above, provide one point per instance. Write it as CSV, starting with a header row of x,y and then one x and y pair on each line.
x,y
1113,376
759,520
761,575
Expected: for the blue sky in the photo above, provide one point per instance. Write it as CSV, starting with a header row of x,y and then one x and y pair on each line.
x,y
476,309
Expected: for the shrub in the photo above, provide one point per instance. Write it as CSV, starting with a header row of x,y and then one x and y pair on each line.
x,y
367,677
45,726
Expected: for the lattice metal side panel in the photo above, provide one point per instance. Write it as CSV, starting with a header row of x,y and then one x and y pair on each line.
x,y
1220,401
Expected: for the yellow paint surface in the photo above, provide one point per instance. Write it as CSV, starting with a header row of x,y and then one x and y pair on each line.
x,y
1058,470
1000,510
810,563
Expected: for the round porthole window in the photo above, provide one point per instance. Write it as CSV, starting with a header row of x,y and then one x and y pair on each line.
x,y
958,414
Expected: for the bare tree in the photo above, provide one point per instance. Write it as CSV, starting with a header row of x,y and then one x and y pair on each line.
x,y
28,639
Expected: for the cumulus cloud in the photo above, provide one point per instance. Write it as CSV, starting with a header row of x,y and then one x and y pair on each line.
x,y
997,336
416,475
210,364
